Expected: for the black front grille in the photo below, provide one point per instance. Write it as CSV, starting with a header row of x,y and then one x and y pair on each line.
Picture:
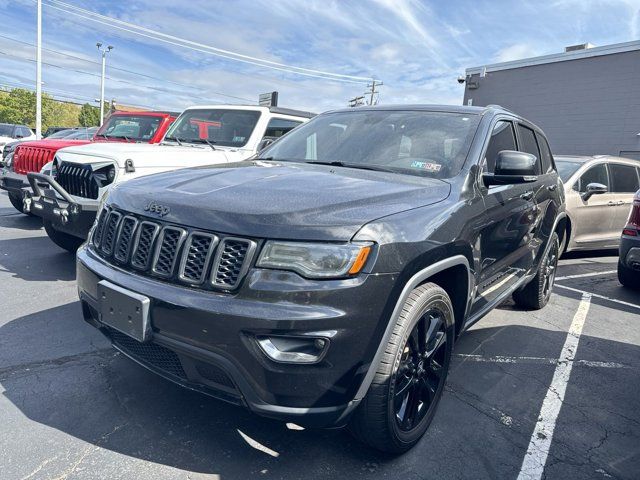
x,y
154,248
150,353
82,180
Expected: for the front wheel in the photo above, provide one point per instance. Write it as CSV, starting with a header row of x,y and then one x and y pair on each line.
x,y
535,294
409,382
63,240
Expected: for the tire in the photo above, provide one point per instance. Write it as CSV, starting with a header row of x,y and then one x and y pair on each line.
x,y
627,277
382,422
16,201
535,294
63,240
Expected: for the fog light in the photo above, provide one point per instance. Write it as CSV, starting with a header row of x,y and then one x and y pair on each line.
x,y
293,349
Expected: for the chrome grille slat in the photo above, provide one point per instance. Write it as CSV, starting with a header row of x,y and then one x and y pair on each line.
x,y
110,230
231,262
143,246
172,253
125,238
197,254
167,249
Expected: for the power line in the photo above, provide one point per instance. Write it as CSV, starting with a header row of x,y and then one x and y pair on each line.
x,y
173,40
122,70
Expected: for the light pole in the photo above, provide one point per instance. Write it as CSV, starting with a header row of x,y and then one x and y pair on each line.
x,y
39,72
104,52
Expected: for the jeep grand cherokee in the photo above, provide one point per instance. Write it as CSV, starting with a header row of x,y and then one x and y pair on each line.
x,y
326,280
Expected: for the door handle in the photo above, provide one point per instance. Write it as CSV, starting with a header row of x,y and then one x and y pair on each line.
x,y
621,202
527,195
551,188
611,203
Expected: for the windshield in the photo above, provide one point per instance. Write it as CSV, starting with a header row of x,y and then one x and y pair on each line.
x,y
421,143
60,134
6,130
219,127
566,168
140,128
82,134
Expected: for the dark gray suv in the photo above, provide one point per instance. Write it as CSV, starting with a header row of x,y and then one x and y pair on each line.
x,y
325,281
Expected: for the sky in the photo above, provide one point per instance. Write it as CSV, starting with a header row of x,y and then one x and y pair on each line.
x,y
418,48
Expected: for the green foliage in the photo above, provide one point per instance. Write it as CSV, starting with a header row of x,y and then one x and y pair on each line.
x,y
19,106
89,115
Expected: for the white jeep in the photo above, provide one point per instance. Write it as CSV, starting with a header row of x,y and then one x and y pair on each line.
x,y
68,194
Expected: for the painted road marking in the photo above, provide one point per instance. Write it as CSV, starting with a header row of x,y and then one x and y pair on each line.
x,y
582,275
539,360
540,443
595,295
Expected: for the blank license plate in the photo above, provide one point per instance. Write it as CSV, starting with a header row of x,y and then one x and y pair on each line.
x,y
126,311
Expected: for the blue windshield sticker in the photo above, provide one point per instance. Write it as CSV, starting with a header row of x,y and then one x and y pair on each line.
x,y
430,167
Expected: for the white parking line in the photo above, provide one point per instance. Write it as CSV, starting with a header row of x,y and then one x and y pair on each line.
x,y
582,275
540,443
609,299
543,360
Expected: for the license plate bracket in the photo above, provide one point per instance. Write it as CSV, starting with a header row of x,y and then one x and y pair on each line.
x,y
124,310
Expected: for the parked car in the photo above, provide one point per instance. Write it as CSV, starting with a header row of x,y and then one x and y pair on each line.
x,y
629,260
10,132
325,281
200,136
599,192
33,156
53,130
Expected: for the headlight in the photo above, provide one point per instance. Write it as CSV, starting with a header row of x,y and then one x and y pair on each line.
x,y
315,260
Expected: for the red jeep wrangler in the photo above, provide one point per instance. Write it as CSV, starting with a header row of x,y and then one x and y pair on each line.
x,y
147,127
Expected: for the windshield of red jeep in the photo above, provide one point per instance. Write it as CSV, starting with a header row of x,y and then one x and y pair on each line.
x,y
135,128
218,127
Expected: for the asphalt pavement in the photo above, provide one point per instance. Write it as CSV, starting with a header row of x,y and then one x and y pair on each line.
x,y
73,408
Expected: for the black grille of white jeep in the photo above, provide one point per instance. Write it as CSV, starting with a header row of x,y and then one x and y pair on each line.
x,y
170,252
82,180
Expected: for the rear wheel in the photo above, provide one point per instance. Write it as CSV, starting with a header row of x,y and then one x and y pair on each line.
x,y
409,382
535,294
63,240
627,277
16,201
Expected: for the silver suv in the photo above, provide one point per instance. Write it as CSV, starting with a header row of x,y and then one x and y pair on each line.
x,y
599,193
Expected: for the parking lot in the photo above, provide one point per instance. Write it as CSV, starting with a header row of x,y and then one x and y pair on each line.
x,y
71,407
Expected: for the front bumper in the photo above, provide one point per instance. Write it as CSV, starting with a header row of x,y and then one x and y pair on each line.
x,y
206,340
48,200
14,183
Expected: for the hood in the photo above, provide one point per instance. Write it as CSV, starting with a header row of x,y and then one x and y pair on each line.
x,y
143,154
53,144
278,200
4,140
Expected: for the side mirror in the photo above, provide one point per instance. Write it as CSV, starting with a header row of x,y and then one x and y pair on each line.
x,y
512,167
19,135
594,189
264,143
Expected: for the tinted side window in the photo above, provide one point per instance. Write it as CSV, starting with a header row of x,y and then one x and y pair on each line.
x,y
529,143
624,178
596,174
502,138
278,127
25,131
545,154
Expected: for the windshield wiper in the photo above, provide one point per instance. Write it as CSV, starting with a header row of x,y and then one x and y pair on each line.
x,y
360,166
174,139
203,140
118,136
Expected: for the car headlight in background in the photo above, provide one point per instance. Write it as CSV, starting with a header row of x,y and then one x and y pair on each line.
x,y
316,260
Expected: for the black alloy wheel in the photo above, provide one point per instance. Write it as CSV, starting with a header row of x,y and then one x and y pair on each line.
x,y
420,374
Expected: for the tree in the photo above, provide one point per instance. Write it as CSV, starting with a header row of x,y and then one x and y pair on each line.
x,y
19,106
89,115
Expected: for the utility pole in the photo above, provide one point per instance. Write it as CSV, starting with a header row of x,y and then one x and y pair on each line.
x,y
104,52
356,101
373,91
39,72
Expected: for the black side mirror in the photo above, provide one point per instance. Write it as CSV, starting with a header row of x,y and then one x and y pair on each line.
x,y
265,142
512,167
594,189
19,135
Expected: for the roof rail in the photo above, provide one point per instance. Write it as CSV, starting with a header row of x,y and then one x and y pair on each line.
x,y
290,111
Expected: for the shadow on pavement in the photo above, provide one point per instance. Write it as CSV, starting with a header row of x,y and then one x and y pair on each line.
x,y
110,402
36,259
